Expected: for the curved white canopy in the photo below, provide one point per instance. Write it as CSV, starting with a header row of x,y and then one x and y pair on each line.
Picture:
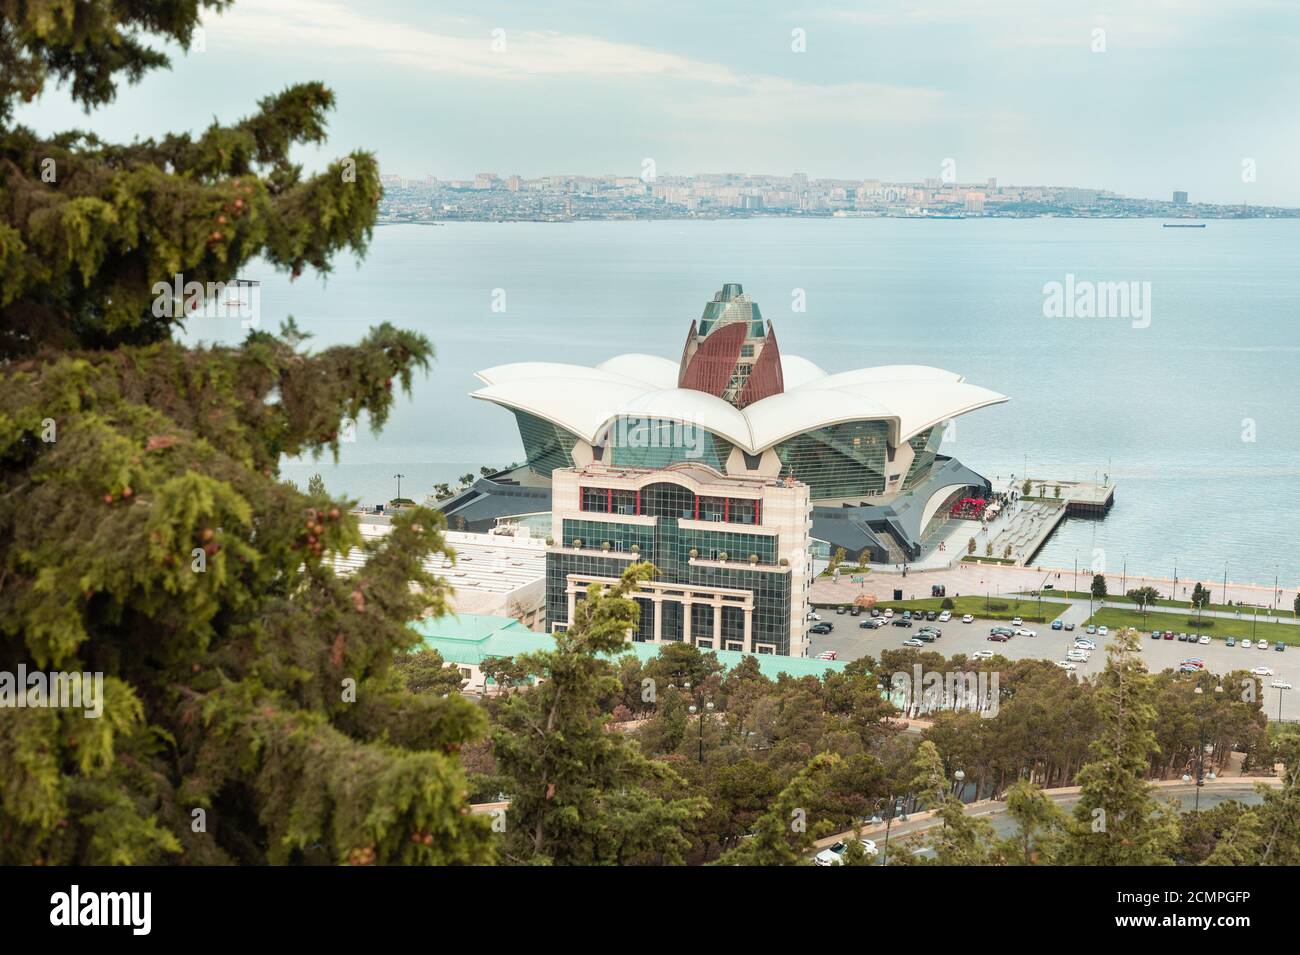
x,y
584,400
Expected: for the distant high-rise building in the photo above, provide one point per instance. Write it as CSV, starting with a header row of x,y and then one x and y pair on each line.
x,y
975,202
1180,198
485,180
799,181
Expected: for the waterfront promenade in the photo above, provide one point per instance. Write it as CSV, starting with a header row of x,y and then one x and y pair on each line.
x,y
975,579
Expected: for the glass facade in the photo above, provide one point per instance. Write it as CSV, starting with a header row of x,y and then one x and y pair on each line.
x,y
546,446
924,447
668,545
656,443
843,460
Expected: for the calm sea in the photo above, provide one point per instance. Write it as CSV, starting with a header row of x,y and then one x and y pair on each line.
x,y
1196,416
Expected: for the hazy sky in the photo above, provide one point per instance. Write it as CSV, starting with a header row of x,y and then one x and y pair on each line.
x,y
1184,91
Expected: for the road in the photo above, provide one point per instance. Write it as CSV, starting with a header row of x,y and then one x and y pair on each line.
x,y
849,642
1241,789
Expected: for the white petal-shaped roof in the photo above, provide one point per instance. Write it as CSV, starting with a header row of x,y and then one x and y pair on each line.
x,y
655,369
796,371
584,400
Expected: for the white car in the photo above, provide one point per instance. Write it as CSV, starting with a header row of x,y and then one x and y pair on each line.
x,y
1102,631
1066,665
1263,645
913,642
1281,685
889,612
982,655
812,615
1016,621
1245,644
1078,656
1026,633
967,618
945,616
1204,641
1083,643
835,854
1262,671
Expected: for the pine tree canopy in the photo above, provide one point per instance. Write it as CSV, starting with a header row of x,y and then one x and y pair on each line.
x,y
251,711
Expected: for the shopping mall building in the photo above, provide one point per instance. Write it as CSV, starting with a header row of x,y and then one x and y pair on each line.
x,y
864,442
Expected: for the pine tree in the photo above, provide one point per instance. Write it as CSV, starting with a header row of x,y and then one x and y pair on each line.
x,y
250,708
1117,820
579,793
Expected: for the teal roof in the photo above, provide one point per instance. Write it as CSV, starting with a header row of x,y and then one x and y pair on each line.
x,y
468,638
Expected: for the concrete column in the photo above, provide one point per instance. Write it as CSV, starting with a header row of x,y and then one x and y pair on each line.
x,y
717,624
749,631
657,603
686,621
573,601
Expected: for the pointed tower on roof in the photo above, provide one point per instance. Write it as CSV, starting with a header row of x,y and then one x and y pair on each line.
x,y
730,353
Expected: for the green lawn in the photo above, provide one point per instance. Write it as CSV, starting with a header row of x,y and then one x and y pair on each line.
x,y
1024,607
1288,633
1246,610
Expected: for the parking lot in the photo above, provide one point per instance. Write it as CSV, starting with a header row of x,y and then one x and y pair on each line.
x,y
849,641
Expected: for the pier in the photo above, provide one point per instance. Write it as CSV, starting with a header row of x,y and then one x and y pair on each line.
x,y
1019,533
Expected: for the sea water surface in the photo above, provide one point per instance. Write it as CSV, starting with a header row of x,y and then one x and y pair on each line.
x,y
1195,416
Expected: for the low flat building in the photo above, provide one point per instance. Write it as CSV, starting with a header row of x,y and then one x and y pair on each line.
x,y
465,640
732,553
494,573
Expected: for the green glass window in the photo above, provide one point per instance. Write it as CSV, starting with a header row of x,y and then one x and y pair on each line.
x,y
843,460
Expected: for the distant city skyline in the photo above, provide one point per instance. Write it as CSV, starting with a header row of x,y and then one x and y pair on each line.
x,y
1140,97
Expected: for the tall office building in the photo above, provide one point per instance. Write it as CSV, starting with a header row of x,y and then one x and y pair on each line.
x,y
1180,198
732,553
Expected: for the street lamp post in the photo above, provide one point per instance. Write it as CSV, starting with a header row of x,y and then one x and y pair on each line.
x,y
1203,712
895,808
399,485
699,709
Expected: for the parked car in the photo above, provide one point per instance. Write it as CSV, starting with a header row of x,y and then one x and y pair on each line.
x,y
1169,634
1155,634
926,636
1069,627
889,612
1245,644
1067,665
1092,628
1005,631
871,624
1204,641
1182,638
1281,685
1262,671
1232,641
932,615
999,637
823,627
855,611
982,655
826,655
907,615
967,618
841,609
913,642
1057,625
1279,646
901,622
875,611
1262,645
835,854
812,615
1083,643
945,616
1022,632
1016,621
1102,631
